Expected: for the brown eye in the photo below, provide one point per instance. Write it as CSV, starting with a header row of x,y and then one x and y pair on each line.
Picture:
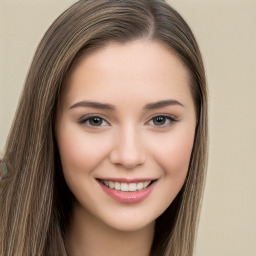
x,y
95,121
162,121
159,120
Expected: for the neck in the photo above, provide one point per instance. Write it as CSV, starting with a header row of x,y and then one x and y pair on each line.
x,y
89,236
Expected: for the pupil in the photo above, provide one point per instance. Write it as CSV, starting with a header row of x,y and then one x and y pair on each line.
x,y
95,121
159,120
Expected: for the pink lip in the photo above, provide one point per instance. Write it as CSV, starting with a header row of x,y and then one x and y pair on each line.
x,y
125,180
128,197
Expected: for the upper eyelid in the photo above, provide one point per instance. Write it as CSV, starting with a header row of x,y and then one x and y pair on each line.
x,y
170,118
174,118
93,115
86,117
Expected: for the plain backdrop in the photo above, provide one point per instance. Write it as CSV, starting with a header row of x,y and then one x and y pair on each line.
x,y
226,33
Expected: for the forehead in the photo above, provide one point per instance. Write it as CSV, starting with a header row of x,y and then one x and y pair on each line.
x,y
139,68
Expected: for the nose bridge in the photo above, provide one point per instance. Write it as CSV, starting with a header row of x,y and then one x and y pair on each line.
x,y
128,150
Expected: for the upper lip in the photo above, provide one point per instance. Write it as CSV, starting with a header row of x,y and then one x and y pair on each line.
x,y
126,180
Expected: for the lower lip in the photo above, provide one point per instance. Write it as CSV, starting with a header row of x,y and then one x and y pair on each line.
x,y
128,197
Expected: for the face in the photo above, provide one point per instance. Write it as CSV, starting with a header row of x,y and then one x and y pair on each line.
x,y
125,128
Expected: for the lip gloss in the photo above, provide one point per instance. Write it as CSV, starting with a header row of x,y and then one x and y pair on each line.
x,y
128,197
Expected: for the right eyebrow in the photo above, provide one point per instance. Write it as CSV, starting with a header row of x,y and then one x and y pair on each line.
x,y
162,103
92,104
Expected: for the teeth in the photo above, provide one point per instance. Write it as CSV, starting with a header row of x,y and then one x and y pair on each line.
x,y
132,187
126,187
146,183
117,186
111,184
140,185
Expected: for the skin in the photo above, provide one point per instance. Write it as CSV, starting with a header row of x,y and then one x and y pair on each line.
x,y
128,143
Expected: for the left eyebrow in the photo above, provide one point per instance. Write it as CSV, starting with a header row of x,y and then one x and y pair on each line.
x,y
162,103
93,104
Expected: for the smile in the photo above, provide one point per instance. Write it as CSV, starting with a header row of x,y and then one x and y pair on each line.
x,y
126,187
131,192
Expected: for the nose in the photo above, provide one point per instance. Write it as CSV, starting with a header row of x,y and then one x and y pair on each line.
x,y
128,150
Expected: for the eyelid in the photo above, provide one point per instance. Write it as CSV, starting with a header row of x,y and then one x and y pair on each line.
x,y
174,118
84,118
171,118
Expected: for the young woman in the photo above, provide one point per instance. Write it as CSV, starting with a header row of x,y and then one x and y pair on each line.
x,y
107,153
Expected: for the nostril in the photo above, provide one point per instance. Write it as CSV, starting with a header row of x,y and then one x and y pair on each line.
x,y
126,159
128,150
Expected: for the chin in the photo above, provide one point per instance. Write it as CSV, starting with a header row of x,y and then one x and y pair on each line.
x,y
128,221
131,226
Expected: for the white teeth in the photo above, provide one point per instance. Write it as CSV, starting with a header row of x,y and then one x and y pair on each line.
x,y
117,186
131,187
111,184
124,187
146,183
140,185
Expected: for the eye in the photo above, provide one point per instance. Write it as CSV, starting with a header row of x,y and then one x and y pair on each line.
x,y
162,120
93,121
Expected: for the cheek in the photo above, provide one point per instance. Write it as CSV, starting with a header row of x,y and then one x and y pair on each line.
x,y
174,159
80,152
173,153
180,153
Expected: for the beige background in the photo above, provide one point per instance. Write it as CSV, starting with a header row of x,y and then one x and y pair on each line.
x,y
226,32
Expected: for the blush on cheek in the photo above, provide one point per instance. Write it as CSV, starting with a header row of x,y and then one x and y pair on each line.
x,y
80,152
175,155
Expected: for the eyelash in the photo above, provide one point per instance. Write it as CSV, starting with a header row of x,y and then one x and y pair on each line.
x,y
171,119
85,120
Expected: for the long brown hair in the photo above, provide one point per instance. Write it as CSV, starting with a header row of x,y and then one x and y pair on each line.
x,y
35,200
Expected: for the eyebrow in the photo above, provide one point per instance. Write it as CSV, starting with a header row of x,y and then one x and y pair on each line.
x,y
92,104
98,105
162,103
